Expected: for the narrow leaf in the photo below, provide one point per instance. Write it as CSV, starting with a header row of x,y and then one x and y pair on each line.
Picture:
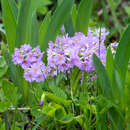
x,y
9,10
74,15
123,55
69,26
34,31
27,8
61,14
109,64
83,15
104,80
43,28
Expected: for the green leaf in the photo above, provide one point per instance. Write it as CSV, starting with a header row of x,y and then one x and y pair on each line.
x,y
69,27
14,72
27,8
34,31
57,99
10,92
104,80
4,105
9,10
123,55
54,87
127,9
117,2
52,109
74,15
127,99
83,16
61,14
66,119
117,119
102,107
109,64
58,92
59,113
43,28
118,89
101,122
3,66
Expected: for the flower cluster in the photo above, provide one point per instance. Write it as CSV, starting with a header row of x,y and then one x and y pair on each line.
x,y
68,52
31,61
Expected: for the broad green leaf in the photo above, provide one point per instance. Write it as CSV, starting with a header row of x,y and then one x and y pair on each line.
x,y
10,92
9,10
61,14
27,8
123,55
83,16
43,28
103,77
109,64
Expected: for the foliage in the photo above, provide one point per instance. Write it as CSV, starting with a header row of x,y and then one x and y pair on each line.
x,y
67,101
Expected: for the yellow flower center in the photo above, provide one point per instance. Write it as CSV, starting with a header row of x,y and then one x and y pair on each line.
x,y
85,65
76,41
59,58
63,65
30,75
103,61
88,55
31,56
35,69
20,57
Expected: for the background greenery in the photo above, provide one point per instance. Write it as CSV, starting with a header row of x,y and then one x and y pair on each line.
x,y
37,22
